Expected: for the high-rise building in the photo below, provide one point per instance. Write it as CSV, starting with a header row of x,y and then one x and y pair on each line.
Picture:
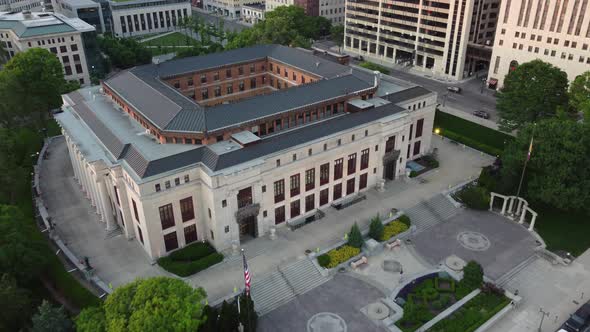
x,y
555,31
61,35
333,10
432,36
20,5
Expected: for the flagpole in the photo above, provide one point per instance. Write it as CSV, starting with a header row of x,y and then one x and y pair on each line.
x,y
526,161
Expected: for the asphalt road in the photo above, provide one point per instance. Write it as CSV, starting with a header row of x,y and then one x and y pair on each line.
x,y
231,25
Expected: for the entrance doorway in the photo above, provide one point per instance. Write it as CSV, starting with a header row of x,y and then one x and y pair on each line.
x,y
389,170
248,228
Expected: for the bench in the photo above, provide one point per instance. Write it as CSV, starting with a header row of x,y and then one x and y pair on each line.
x,y
361,261
348,201
391,245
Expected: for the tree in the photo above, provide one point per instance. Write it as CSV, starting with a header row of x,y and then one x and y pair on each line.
x,y
15,304
472,275
211,316
355,238
376,229
154,304
533,91
337,35
228,317
579,94
91,320
557,173
248,315
21,255
31,84
124,52
51,319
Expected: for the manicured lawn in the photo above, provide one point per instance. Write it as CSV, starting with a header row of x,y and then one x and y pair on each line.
x,y
374,66
191,259
563,230
173,39
471,134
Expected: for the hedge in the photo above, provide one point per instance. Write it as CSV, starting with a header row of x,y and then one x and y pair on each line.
x,y
193,251
405,219
187,268
337,256
475,197
471,134
374,66
393,228
444,290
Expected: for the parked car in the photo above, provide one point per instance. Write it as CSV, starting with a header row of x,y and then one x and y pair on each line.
x,y
579,321
454,89
482,114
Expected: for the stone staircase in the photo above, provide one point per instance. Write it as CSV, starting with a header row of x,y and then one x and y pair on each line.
x,y
115,232
429,213
285,284
508,276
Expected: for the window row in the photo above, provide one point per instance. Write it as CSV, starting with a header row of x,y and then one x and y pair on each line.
x,y
167,184
167,220
171,239
324,198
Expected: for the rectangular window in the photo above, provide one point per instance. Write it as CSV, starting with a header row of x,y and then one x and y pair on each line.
x,y
252,68
140,234
295,209
166,216
116,195
203,78
241,86
279,188
337,193
228,73
364,158
135,212
190,234
419,128
350,186
157,186
240,70
324,197
170,241
416,148
338,168
186,209
186,178
279,215
309,179
294,185
351,166
389,144
324,174
363,181
309,203
217,91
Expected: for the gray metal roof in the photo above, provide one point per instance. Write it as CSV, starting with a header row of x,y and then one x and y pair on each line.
x,y
407,94
37,24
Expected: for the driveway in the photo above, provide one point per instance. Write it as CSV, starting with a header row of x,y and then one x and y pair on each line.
x,y
497,243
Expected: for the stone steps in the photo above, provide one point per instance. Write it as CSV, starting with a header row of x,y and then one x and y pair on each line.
x,y
303,276
429,213
508,276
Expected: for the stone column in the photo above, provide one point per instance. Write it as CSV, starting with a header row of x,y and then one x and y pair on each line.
x,y
106,206
492,200
533,219
504,206
511,205
522,216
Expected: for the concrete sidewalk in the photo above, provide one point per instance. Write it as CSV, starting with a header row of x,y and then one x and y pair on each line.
x,y
119,261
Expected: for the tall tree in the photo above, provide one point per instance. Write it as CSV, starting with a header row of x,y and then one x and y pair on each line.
x,y
91,320
51,319
557,173
533,91
15,304
154,304
337,35
580,94
31,84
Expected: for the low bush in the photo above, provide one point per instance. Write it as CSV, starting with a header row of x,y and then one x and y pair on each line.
x,y
430,161
392,229
374,66
324,260
445,299
413,174
475,197
341,255
437,304
187,268
405,219
429,294
487,179
376,228
450,281
193,252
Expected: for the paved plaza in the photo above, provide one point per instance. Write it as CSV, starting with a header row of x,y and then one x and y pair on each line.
x,y
343,296
119,261
497,243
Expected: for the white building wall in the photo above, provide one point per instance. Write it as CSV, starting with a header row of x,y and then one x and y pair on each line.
x,y
333,10
133,16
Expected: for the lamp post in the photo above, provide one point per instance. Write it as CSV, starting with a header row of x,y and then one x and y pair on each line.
x,y
543,315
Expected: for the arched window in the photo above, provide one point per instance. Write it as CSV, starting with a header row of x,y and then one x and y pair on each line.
x,y
513,65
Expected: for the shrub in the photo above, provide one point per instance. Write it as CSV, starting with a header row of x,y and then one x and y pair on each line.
x,y
355,238
429,294
475,197
392,229
451,282
374,66
187,268
472,275
341,254
430,161
405,219
437,304
445,299
324,260
413,174
376,229
486,179
193,252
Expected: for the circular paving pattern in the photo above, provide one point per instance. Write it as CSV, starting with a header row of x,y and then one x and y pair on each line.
x,y
473,241
326,322
377,311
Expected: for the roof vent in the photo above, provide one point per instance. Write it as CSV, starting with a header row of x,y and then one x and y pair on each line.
x,y
27,14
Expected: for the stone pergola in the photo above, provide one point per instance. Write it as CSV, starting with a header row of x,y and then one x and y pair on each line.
x,y
514,207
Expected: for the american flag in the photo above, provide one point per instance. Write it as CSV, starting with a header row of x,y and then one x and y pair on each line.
x,y
247,278
530,152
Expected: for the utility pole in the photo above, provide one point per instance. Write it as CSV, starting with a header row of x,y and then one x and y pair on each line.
x,y
543,314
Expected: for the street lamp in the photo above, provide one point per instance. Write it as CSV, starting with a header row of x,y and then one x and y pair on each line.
x,y
437,131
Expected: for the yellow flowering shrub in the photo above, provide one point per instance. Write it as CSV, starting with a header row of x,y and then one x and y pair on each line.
x,y
341,254
392,229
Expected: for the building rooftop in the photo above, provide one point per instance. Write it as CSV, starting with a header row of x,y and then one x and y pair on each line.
x,y
25,24
256,6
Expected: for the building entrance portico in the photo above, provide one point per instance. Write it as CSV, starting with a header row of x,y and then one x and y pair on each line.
x,y
247,228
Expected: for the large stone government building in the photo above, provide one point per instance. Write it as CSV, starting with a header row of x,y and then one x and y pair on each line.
x,y
226,146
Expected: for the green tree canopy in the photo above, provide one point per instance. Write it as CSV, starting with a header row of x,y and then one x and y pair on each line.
x,y
533,91
31,84
124,52
15,304
557,173
91,320
472,275
21,255
337,34
580,94
154,304
51,319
